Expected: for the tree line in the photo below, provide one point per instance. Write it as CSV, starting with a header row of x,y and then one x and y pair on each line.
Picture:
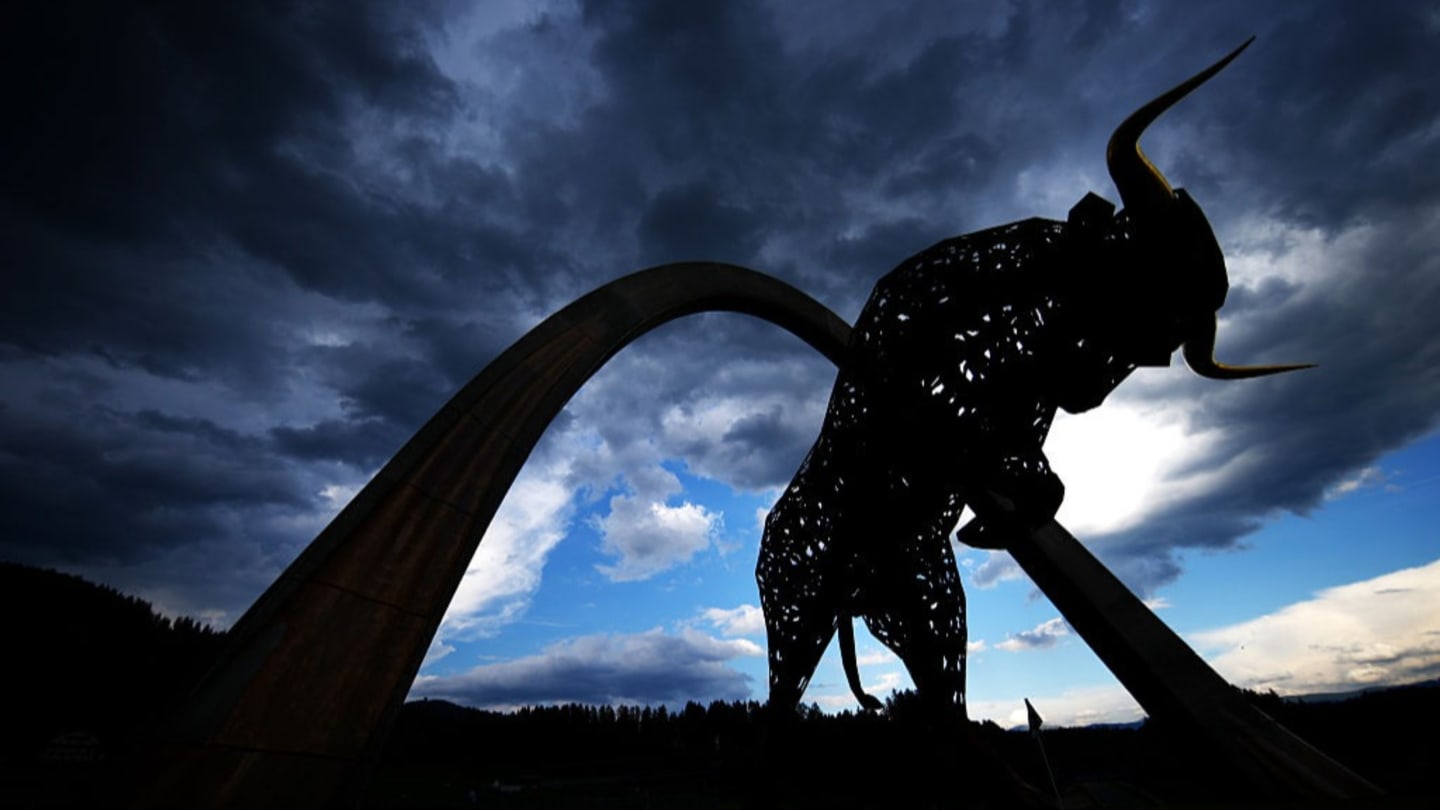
x,y
86,657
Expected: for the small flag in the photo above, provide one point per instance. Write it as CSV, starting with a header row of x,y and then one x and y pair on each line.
x,y
1035,724
1034,717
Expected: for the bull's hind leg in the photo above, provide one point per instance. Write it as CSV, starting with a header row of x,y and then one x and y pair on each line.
x,y
920,614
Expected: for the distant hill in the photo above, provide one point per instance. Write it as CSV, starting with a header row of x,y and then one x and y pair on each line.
x,y
1336,697
1385,733
86,659
1270,699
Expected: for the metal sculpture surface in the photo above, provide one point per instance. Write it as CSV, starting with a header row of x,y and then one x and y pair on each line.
x,y
958,363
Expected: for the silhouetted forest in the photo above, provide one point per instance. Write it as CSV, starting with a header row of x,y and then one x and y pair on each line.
x,y
84,657
87,665
581,756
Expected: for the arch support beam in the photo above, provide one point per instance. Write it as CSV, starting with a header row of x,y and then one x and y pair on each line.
x,y
296,710
1164,675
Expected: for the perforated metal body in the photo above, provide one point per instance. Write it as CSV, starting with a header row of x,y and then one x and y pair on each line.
x,y
958,362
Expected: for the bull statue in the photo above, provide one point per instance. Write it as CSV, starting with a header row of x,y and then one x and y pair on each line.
x,y
957,364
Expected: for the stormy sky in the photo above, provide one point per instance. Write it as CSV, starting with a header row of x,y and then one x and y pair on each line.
x,y
248,249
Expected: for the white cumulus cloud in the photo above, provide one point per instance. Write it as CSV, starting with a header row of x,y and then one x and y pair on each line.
x,y
1042,636
745,620
1384,630
649,536
1118,461
998,567
1370,476
647,668
880,687
881,655
505,572
1081,706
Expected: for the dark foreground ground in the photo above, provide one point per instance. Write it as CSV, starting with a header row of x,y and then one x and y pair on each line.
x,y
84,666
442,755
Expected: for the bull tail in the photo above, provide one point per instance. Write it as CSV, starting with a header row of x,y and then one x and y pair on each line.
x,y
852,671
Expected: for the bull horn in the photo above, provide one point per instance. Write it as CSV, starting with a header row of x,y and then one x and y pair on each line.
x,y
1142,187
1200,357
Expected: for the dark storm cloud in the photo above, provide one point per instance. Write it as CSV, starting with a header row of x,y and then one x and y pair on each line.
x,y
103,484
159,139
1336,105
285,235
186,194
696,80
759,134
401,389
1326,135
1289,441
763,436
364,444
917,124
651,402
879,245
691,221
147,125
648,668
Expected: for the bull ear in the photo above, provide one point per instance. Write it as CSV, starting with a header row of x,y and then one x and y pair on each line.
x,y
1200,357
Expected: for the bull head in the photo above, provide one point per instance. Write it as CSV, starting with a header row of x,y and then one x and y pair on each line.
x,y
1171,226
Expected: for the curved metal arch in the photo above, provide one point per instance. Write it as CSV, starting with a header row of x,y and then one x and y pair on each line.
x,y
317,668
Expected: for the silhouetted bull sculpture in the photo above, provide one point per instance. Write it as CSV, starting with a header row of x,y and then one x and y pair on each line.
x,y
958,362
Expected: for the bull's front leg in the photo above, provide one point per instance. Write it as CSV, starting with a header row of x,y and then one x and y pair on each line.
x,y
1026,480
797,592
